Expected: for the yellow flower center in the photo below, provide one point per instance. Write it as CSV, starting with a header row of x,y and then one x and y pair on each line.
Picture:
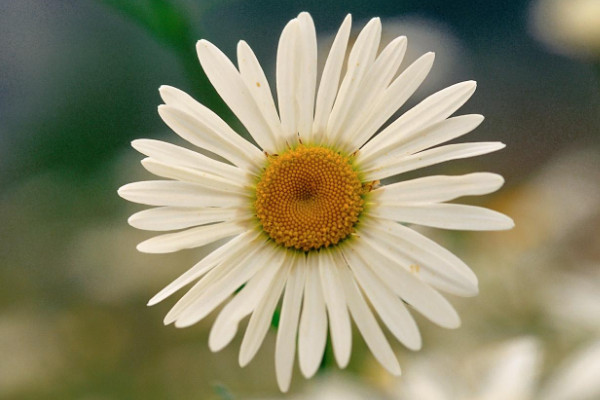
x,y
309,197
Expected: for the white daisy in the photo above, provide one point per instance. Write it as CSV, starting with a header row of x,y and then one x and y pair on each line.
x,y
307,217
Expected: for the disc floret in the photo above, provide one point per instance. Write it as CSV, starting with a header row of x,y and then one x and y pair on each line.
x,y
309,197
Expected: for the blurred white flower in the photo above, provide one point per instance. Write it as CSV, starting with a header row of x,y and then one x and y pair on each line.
x,y
510,370
577,378
333,387
497,373
572,301
570,27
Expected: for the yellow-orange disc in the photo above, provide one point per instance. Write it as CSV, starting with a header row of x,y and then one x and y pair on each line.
x,y
308,198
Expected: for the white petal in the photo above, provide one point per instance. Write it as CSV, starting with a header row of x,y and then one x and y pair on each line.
x,y
191,238
390,166
285,347
367,325
426,255
227,261
179,194
445,216
203,128
175,155
186,174
229,84
244,303
313,321
225,286
263,314
239,243
287,77
390,308
360,60
372,88
307,78
258,86
437,133
408,286
172,218
330,79
435,108
438,188
394,97
339,319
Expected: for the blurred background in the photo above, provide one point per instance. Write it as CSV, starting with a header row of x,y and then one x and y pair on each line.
x,y
78,82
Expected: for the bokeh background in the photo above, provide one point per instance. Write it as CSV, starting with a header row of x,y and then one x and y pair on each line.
x,y
78,82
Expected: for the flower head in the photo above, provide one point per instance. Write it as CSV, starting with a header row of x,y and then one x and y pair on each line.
x,y
305,214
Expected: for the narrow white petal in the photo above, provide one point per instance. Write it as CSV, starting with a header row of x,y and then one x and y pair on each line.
x,y
191,238
339,319
287,76
263,313
373,87
367,325
425,255
207,130
225,286
390,166
360,60
242,305
186,174
175,155
226,262
172,218
437,133
229,84
408,286
307,79
330,79
201,134
394,97
206,264
285,347
258,86
445,216
435,108
313,321
438,188
390,308
179,194
214,276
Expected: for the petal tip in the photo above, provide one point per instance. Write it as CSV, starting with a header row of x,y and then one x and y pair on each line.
x,y
183,323
145,247
136,143
509,223
454,324
418,345
153,301
132,220
122,191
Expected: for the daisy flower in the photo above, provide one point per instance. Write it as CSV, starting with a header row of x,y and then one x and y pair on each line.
x,y
303,208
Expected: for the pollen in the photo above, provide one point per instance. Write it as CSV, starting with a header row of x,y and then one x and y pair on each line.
x,y
309,197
